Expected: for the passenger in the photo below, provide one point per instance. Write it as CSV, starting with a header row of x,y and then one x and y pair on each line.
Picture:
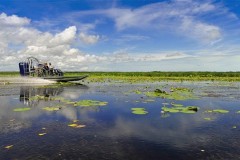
x,y
50,69
45,69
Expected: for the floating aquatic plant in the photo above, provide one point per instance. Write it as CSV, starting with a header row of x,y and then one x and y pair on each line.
x,y
149,100
138,92
52,108
208,119
176,105
174,94
21,109
217,111
139,111
188,109
89,103
41,134
171,110
220,111
8,147
74,125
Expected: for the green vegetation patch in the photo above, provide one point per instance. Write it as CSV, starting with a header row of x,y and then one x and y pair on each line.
x,y
171,110
208,119
217,111
188,109
138,92
149,100
220,111
21,109
89,103
52,108
139,111
174,94
148,76
177,105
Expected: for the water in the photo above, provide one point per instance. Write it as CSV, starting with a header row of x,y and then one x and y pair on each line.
x,y
24,80
112,131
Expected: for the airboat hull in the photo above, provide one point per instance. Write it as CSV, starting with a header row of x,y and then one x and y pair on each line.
x,y
65,79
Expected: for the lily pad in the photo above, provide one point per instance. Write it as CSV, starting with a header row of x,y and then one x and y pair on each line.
x,y
21,109
149,100
52,108
208,119
192,108
217,111
176,105
8,147
188,109
74,125
89,103
171,110
139,111
41,134
174,94
220,111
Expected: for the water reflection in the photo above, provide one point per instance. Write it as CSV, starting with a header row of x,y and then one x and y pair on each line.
x,y
11,121
112,131
28,91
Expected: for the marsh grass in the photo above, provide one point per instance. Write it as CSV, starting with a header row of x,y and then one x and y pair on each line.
x,y
148,76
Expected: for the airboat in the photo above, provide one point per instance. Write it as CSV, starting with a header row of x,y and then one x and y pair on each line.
x,y
32,67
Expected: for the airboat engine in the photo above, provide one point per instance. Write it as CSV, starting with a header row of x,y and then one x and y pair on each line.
x,y
24,68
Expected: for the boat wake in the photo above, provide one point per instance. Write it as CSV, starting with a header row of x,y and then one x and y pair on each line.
x,y
24,80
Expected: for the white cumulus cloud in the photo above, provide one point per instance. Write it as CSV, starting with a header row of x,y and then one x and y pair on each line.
x,y
88,39
13,20
18,40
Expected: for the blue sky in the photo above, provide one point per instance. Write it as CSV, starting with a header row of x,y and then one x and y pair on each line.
x,y
122,35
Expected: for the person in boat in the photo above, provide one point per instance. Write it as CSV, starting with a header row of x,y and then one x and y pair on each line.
x,y
45,69
51,69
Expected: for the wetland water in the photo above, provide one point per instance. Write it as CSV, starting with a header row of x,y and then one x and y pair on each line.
x,y
107,129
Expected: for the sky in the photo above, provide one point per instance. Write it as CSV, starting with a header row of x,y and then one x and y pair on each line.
x,y
122,35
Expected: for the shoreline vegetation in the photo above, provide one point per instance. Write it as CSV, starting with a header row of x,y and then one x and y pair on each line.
x,y
149,76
